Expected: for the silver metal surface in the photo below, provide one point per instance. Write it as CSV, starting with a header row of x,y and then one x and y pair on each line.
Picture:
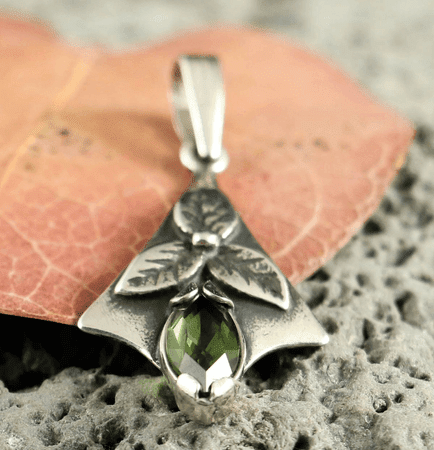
x,y
203,247
205,211
198,98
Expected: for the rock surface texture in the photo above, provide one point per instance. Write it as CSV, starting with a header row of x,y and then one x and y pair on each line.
x,y
372,386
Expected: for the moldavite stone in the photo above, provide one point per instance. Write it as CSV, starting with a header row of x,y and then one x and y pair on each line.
x,y
203,341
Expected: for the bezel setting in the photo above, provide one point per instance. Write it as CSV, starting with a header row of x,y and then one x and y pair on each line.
x,y
214,404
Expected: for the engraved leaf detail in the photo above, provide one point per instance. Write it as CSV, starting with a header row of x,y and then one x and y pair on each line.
x,y
205,210
160,267
251,273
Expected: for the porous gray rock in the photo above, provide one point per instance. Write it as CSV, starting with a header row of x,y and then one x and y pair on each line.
x,y
372,386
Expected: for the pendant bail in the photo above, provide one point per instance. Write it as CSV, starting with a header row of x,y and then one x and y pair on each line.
x,y
198,98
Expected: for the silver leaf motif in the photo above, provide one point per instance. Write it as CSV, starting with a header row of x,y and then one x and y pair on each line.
x,y
160,267
207,210
251,273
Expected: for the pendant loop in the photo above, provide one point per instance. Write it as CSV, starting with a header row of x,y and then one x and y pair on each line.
x,y
199,99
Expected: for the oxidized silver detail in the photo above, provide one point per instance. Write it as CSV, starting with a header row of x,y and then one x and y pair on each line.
x,y
210,291
161,267
205,210
178,262
251,273
187,296
202,246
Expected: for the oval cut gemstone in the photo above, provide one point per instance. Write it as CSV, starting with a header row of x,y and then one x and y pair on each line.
x,y
203,341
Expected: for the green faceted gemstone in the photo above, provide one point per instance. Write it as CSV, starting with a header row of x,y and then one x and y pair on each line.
x,y
203,341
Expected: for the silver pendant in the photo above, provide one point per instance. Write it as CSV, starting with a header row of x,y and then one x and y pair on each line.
x,y
203,301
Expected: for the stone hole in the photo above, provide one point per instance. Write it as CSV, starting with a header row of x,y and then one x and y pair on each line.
x,y
303,443
425,278
387,206
397,362
330,325
110,433
391,282
380,405
397,398
371,253
362,279
424,438
146,405
320,275
317,298
49,435
387,332
162,439
372,227
36,418
61,411
108,395
140,422
408,309
403,255
333,418
405,180
368,331
425,137
415,373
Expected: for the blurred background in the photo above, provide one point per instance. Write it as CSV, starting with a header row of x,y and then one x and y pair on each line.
x,y
386,45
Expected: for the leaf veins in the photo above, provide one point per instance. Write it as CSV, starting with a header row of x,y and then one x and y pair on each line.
x,y
250,268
